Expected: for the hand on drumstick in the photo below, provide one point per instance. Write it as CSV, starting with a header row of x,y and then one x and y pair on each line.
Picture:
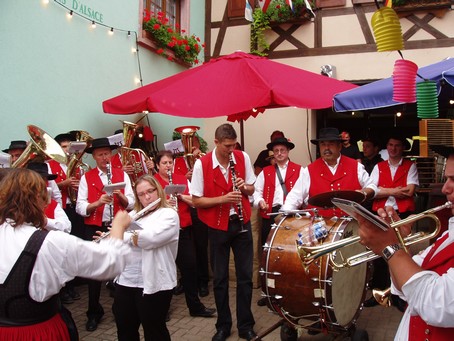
x,y
263,205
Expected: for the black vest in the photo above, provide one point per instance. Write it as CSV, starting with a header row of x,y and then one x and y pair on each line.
x,y
17,308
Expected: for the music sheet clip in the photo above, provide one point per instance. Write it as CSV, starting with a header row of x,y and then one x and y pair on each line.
x,y
174,189
113,187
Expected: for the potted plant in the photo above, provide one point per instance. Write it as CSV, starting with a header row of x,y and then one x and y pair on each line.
x,y
184,47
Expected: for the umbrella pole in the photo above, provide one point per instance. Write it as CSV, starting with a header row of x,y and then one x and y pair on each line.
x,y
242,134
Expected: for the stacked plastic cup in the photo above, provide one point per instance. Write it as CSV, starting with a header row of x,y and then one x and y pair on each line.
x,y
404,81
427,99
387,30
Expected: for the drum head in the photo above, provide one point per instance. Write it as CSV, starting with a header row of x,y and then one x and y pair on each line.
x,y
349,284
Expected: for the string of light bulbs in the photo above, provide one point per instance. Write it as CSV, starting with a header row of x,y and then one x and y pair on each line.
x,y
111,30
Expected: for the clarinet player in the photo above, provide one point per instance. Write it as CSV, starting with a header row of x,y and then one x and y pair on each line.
x,y
98,208
218,206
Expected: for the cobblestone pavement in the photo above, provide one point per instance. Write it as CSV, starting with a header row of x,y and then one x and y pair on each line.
x,y
379,322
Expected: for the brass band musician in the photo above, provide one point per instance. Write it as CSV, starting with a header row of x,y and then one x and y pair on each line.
x,y
95,206
425,280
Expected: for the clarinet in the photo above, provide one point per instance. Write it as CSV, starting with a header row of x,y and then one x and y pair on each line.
x,y
173,196
109,182
239,205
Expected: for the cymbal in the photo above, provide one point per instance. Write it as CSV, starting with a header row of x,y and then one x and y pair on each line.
x,y
324,199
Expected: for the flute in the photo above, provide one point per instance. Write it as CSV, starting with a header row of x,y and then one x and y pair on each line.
x,y
142,213
239,206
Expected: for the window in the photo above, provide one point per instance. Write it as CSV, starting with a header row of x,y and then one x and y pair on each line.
x,y
171,8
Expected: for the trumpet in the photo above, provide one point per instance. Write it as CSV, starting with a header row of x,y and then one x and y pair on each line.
x,y
309,254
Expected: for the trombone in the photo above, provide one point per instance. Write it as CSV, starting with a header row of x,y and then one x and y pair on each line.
x,y
309,254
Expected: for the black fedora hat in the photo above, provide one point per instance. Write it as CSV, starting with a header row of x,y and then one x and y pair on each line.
x,y
102,142
16,145
328,134
41,169
443,150
280,141
64,137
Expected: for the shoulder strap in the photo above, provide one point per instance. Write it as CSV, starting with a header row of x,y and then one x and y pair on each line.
x,y
284,188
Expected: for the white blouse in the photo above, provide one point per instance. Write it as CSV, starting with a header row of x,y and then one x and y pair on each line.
x,y
152,266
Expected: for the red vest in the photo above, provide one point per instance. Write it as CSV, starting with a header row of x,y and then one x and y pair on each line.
x,y
385,180
322,180
179,166
269,186
95,190
217,217
441,263
184,212
55,168
49,211
115,161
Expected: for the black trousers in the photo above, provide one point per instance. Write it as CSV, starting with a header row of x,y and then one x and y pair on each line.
x,y
241,244
132,308
186,262
200,237
95,309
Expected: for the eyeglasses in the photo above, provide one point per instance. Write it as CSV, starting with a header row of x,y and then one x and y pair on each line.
x,y
149,192
280,151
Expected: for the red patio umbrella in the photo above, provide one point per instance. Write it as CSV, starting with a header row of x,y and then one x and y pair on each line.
x,y
233,84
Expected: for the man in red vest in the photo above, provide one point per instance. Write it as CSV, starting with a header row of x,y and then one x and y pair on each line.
x,y
273,184
331,172
222,181
99,208
426,280
396,178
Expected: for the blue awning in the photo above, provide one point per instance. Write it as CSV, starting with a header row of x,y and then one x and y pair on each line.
x,y
379,94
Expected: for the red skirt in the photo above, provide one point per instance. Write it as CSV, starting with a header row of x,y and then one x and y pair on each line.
x,y
50,330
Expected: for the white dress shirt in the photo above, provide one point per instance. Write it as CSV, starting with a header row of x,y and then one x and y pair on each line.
x,y
299,194
61,258
60,222
82,196
429,295
152,266
412,179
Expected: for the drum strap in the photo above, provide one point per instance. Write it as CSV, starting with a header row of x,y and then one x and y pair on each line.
x,y
284,188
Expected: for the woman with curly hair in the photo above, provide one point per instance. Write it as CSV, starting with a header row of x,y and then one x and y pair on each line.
x,y
37,263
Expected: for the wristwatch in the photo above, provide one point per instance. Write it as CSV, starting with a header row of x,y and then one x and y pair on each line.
x,y
390,250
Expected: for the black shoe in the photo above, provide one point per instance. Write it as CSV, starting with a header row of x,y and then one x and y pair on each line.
x,y
205,312
221,335
203,291
92,324
262,302
74,294
178,290
249,335
371,302
66,298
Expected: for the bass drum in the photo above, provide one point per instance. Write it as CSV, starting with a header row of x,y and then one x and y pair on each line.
x,y
303,296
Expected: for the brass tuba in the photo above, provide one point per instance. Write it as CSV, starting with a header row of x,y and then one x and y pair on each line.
x,y
187,139
41,145
128,157
75,162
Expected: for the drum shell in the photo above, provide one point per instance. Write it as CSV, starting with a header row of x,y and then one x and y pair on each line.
x,y
318,292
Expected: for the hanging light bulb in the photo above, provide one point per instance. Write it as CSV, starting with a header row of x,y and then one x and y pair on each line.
x,y
93,24
69,15
111,32
129,34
